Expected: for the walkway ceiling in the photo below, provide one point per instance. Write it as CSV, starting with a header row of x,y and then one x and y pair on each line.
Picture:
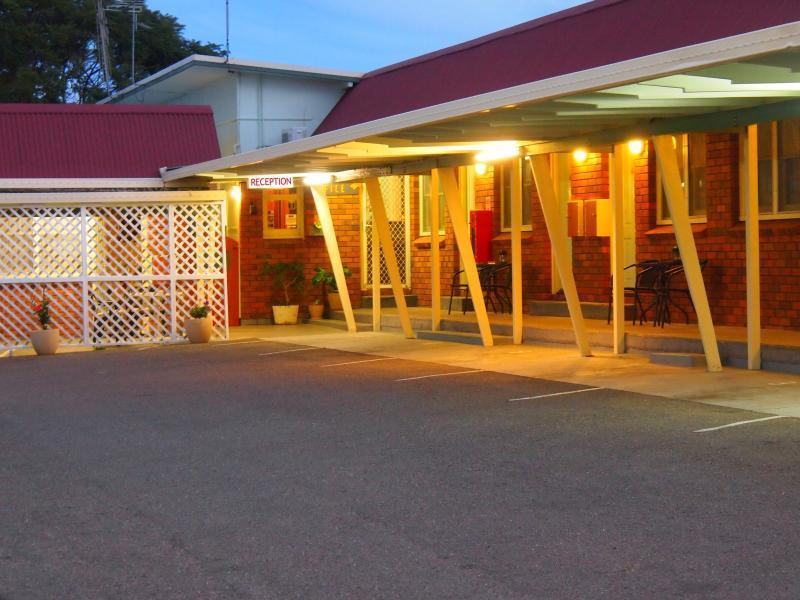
x,y
719,97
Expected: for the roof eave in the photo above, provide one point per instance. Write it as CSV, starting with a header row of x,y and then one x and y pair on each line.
x,y
773,39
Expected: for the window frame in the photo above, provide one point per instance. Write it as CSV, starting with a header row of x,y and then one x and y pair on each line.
x,y
423,208
776,214
504,172
297,233
660,197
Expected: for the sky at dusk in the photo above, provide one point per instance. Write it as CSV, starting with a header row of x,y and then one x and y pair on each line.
x,y
357,35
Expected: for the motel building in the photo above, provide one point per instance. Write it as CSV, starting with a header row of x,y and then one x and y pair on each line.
x,y
619,161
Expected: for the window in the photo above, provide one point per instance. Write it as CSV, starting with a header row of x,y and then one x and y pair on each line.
x,y
778,167
692,164
283,213
424,204
505,194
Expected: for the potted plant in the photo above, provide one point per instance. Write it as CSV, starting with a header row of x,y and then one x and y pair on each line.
x,y
198,324
288,278
327,280
316,309
46,339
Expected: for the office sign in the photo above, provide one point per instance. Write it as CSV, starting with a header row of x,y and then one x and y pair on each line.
x,y
270,182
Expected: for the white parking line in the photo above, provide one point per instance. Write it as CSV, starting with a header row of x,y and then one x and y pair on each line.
x,y
739,423
287,351
358,362
580,391
441,375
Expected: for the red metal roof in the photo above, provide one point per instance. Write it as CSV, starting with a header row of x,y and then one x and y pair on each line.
x,y
590,35
102,141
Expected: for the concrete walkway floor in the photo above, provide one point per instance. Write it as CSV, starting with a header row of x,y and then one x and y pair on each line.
x,y
760,391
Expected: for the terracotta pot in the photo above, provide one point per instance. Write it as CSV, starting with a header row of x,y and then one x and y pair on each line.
x,y
334,301
198,330
316,310
285,315
45,341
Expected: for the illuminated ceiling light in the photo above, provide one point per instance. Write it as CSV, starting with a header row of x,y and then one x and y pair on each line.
x,y
487,110
318,179
636,147
510,106
480,168
580,155
236,192
495,152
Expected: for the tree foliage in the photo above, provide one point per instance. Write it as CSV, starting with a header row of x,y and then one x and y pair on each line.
x,y
49,50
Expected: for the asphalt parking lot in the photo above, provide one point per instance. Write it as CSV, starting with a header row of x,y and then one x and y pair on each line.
x,y
270,470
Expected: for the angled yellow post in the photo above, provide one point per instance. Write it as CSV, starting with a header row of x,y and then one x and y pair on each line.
x,y
436,292
667,159
381,223
540,166
619,163
324,214
753,259
516,252
376,279
452,198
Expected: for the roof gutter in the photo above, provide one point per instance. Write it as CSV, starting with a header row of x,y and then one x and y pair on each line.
x,y
772,39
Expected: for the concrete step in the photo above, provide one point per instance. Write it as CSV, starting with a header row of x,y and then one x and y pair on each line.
x,y
388,301
678,359
459,337
341,325
558,308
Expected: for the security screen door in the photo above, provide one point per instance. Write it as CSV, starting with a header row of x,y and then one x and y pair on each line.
x,y
396,198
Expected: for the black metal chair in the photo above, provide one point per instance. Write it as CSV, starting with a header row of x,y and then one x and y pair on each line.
x,y
671,280
499,287
456,287
648,275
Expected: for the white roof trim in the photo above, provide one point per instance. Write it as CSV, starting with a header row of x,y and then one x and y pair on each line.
x,y
782,37
77,198
80,183
201,60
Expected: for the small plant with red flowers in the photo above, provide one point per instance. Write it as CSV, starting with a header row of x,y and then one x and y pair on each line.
x,y
41,310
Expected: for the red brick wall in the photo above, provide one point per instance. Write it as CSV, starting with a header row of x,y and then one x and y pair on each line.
x,y
257,293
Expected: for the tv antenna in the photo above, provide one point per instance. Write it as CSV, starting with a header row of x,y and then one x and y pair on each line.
x,y
102,42
134,7
227,33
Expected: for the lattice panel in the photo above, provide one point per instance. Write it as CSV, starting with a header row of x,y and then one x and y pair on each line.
x,y
198,245
40,242
17,319
192,293
125,312
127,240
394,191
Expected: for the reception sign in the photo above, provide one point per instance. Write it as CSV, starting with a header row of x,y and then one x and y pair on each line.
x,y
270,182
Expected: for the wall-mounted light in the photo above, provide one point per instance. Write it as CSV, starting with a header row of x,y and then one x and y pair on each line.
x,y
499,151
235,192
636,147
480,168
580,155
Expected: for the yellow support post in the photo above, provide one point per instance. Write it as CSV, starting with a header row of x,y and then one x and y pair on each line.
x,y
679,210
381,223
324,214
461,231
516,251
436,292
619,162
540,166
752,251
376,280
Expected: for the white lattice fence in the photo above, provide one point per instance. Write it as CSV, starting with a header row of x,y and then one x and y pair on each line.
x,y
395,191
114,273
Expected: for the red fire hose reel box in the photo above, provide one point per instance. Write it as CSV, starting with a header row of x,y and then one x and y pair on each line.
x,y
480,228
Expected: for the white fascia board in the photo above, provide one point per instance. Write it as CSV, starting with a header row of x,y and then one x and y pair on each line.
x,y
78,198
201,60
689,58
81,183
